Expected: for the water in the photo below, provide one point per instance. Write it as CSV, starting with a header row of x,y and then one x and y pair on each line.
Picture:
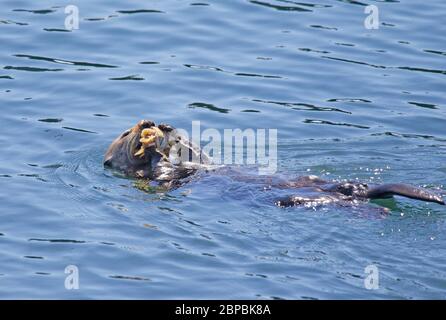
x,y
348,103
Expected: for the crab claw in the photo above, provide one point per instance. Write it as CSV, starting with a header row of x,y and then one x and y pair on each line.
x,y
140,152
149,137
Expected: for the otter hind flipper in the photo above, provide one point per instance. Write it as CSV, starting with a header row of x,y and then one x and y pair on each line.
x,y
404,190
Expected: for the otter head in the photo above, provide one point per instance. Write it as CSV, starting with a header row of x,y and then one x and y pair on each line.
x,y
138,150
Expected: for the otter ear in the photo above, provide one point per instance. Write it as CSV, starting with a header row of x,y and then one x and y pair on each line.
x,y
125,133
165,127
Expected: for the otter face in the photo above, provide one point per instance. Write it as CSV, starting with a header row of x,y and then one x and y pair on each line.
x,y
130,154
159,153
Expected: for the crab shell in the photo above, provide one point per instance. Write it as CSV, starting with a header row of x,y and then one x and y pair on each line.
x,y
149,137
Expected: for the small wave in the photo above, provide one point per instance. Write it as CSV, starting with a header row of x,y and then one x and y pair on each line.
x,y
423,105
56,30
355,62
442,53
79,130
408,135
280,7
148,62
314,121
131,77
139,11
317,26
62,61
353,100
13,22
240,74
353,2
313,50
31,69
423,70
57,240
51,120
129,278
208,106
301,106
42,11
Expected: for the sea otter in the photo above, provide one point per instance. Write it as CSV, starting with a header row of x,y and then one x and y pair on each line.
x,y
159,154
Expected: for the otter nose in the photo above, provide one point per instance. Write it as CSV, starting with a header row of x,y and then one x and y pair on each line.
x,y
108,162
146,124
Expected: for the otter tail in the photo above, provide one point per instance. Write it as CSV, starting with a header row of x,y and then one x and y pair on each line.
x,y
398,189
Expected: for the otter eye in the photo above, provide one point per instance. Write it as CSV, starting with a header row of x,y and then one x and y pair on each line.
x,y
126,133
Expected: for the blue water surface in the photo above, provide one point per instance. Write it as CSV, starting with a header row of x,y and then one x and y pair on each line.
x,y
348,103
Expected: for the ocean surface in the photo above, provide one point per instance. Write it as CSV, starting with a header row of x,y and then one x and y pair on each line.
x,y
348,103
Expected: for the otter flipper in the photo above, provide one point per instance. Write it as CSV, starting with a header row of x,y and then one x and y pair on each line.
x,y
399,189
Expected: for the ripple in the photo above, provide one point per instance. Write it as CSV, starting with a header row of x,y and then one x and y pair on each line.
x,y
388,24
353,2
31,69
126,78
306,4
313,50
301,106
56,30
42,11
240,74
344,44
32,175
317,26
355,62
208,106
139,11
384,67
353,100
191,223
119,277
51,120
423,105
148,62
314,121
208,254
79,130
423,70
408,135
56,240
442,53
62,61
280,7
193,66
6,77
13,22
